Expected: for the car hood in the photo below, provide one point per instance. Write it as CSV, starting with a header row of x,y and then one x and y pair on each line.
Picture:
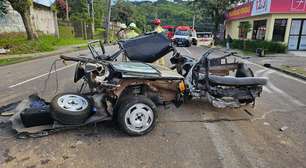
x,y
144,71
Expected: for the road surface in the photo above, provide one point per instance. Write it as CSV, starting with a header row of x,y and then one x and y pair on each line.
x,y
195,135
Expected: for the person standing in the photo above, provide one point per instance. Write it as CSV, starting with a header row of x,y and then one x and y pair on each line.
x,y
122,32
229,41
132,31
159,29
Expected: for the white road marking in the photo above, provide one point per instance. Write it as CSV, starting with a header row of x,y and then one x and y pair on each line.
x,y
270,88
279,73
187,51
267,73
258,73
266,89
40,76
285,95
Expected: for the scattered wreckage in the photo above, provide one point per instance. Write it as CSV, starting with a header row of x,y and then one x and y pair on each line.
x,y
129,92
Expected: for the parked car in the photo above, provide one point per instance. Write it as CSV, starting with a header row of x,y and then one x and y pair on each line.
x,y
182,37
169,30
205,38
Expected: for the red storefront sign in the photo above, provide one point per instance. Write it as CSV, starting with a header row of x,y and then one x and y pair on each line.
x,y
288,6
273,6
242,11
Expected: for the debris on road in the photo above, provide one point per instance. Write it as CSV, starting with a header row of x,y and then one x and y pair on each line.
x,y
4,51
266,124
284,128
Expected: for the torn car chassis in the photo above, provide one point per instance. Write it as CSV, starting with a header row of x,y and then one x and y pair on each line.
x,y
129,92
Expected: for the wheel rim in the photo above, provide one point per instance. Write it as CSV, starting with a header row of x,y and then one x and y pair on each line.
x,y
139,117
72,103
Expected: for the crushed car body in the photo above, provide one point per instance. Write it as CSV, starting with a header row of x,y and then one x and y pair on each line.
x,y
130,92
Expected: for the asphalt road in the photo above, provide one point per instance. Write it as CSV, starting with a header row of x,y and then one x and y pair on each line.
x,y
194,135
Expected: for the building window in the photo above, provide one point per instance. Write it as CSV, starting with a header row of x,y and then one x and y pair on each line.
x,y
244,28
259,30
279,31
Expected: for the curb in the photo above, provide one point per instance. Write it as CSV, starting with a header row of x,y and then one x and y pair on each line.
x,y
287,72
43,55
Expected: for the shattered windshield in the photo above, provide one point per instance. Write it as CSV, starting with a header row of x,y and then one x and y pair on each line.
x,y
135,67
182,33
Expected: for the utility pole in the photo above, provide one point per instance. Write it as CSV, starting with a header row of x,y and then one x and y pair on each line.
x,y
67,11
193,21
194,17
91,15
107,27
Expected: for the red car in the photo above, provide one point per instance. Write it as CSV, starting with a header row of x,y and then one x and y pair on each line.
x,y
169,31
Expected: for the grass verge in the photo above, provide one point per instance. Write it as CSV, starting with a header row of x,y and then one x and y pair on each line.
x,y
298,70
7,61
18,43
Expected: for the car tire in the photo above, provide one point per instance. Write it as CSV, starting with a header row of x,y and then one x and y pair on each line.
x,y
136,115
189,44
71,108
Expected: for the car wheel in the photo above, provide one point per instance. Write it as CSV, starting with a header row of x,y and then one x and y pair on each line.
x,y
70,108
137,115
188,44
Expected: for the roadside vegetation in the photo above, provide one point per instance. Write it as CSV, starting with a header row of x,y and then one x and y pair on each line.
x,y
294,69
17,43
7,61
250,46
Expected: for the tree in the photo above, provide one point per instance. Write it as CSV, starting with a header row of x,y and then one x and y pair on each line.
x,y
24,8
244,29
62,9
3,7
215,9
123,12
100,10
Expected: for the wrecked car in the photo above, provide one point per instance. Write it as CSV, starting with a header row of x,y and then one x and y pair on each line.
x,y
130,92
210,78
126,92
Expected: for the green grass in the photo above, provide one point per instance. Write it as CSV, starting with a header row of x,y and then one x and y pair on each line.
x,y
7,61
298,70
18,43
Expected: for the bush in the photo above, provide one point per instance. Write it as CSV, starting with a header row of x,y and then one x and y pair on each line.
x,y
18,43
252,45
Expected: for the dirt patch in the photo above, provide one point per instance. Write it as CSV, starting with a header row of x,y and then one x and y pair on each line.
x,y
7,156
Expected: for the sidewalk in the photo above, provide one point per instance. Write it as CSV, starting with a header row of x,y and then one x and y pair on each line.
x,y
293,63
42,54
12,59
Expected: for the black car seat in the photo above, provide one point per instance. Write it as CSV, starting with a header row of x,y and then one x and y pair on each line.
x,y
234,81
243,71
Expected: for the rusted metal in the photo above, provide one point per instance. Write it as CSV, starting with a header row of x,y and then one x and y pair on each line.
x,y
166,89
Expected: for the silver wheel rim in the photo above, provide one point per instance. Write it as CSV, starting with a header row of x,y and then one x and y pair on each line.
x,y
139,117
72,102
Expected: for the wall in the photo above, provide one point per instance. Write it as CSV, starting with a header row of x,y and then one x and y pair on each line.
x,y
44,21
289,17
232,26
233,30
12,22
